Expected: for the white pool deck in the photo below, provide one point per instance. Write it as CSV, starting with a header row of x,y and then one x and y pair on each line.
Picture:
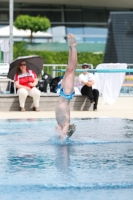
x,y
123,108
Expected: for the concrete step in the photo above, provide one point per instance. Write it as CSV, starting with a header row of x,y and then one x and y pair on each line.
x,y
10,102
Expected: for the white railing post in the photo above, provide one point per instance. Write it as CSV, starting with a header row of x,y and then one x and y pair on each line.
x,y
11,11
53,72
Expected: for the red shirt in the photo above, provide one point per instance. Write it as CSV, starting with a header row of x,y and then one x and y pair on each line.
x,y
25,79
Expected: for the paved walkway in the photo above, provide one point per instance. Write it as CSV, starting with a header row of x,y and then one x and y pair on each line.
x,y
123,108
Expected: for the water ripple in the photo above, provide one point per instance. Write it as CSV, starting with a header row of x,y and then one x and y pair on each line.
x,y
63,187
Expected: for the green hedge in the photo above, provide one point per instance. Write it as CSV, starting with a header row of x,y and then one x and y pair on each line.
x,y
57,57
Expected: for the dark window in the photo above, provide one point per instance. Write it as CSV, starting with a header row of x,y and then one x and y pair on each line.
x,y
72,7
4,5
53,16
73,16
94,15
4,16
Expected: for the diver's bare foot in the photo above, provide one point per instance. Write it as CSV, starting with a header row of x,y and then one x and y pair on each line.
x,y
71,40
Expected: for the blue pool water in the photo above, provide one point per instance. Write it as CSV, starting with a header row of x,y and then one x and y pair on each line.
x,y
96,163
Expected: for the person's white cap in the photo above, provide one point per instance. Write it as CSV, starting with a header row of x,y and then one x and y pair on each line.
x,y
85,64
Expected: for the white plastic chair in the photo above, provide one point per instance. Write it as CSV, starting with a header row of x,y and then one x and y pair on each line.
x,y
4,68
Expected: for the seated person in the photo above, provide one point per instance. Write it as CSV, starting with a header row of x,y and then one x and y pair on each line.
x,y
87,81
25,81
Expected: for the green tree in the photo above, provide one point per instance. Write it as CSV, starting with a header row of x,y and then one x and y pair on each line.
x,y
34,24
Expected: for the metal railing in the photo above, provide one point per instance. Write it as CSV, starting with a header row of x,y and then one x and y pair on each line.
x,y
49,68
126,89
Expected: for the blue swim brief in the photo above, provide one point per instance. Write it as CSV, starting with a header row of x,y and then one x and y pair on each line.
x,y
66,96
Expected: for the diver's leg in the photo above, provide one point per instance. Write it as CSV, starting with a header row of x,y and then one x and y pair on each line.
x,y
68,80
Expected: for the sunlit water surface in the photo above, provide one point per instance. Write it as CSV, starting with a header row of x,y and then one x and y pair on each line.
x,y
96,163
